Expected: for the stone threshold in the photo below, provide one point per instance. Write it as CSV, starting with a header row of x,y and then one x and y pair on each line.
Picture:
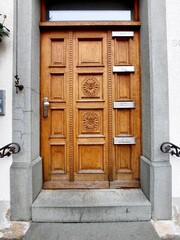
x,y
107,205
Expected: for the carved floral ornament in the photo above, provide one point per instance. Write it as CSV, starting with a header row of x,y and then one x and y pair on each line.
x,y
90,121
90,86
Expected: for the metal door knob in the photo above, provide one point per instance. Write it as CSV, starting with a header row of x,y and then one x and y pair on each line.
x,y
45,107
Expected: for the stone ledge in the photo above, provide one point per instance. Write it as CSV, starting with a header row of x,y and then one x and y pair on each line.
x,y
108,205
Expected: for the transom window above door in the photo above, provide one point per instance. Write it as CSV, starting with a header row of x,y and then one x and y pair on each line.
x,y
92,10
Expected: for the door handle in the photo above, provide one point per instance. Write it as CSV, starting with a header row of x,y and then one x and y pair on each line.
x,y
45,107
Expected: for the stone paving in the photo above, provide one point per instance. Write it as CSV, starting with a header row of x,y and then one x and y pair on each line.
x,y
92,231
10,230
15,230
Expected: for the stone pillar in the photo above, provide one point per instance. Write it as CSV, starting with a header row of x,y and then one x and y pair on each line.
x,y
155,166
26,169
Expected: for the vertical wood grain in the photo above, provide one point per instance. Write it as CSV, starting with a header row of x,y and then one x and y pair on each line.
x,y
136,10
43,10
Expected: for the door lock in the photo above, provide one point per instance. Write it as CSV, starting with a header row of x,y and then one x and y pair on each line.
x,y
45,107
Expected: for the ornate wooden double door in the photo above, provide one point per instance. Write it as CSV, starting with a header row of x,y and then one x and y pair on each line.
x,y
90,109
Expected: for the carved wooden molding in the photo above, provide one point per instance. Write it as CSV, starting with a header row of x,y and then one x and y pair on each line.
x,y
110,107
71,105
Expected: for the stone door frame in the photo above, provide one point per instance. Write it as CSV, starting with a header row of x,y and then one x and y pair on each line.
x,y
26,169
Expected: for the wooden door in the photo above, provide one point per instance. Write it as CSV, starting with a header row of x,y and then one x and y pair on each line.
x,y
88,140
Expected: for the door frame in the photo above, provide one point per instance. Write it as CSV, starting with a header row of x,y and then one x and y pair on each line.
x,y
26,169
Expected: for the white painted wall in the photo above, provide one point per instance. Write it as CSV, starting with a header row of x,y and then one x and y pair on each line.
x,y
6,83
173,37
6,80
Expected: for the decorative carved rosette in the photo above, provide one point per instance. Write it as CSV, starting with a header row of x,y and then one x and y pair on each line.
x,y
90,122
90,87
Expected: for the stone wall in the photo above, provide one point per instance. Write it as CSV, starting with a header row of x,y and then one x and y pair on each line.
x,y
173,37
6,83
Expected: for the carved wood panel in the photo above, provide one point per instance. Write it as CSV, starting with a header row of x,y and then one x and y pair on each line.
x,y
57,87
90,86
58,163
77,136
90,74
122,57
91,158
58,55
127,121
54,128
90,51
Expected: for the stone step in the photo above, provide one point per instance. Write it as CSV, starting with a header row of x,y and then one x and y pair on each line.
x,y
107,205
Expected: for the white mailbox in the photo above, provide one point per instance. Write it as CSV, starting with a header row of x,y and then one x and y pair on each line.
x,y
123,69
124,104
122,34
124,139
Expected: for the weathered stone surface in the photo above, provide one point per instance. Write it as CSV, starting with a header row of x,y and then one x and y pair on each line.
x,y
10,229
155,175
92,231
91,206
157,187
